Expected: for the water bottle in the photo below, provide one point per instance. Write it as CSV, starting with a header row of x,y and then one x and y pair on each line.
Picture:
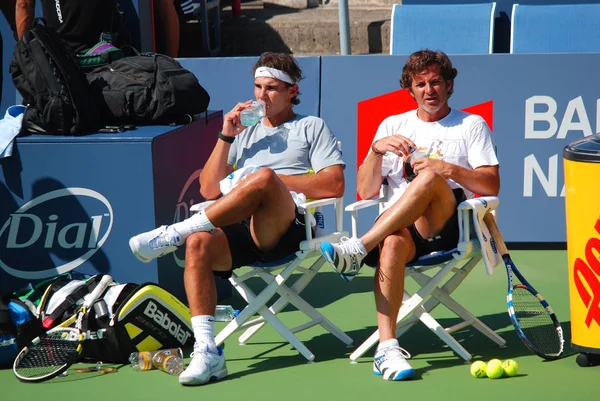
x,y
168,362
253,114
143,360
225,313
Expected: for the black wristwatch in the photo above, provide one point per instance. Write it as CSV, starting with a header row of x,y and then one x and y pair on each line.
x,y
228,139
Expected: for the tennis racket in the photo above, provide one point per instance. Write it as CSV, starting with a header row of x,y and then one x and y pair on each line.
x,y
531,315
53,352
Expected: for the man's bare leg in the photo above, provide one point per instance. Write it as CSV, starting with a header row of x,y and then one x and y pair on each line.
x,y
428,202
397,249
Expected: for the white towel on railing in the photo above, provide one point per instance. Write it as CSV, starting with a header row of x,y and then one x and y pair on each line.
x,y
10,126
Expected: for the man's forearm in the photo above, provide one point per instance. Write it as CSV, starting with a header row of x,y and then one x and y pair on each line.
x,y
215,169
483,180
368,178
327,183
24,13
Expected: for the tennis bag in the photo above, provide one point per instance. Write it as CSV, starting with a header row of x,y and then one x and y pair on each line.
x,y
127,318
18,326
148,88
48,77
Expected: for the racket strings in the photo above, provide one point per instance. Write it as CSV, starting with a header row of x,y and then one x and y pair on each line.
x,y
535,322
47,356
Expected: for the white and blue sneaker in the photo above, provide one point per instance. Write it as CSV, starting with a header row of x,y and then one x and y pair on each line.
x,y
390,362
153,244
206,365
345,256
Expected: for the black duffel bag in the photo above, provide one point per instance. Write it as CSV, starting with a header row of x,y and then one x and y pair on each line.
x,y
148,89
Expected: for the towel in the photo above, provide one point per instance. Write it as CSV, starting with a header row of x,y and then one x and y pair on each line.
x,y
479,207
10,126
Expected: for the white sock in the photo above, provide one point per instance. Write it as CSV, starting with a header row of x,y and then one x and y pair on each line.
x,y
361,246
204,330
196,223
388,343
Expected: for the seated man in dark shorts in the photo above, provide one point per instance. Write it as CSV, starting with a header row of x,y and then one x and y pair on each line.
x,y
457,159
257,220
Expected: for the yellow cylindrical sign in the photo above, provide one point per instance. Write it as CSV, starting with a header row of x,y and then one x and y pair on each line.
x,y
582,179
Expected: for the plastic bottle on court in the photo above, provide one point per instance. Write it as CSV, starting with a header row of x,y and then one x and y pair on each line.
x,y
225,313
143,360
168,362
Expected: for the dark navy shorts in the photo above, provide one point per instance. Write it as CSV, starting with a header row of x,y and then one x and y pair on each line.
x,y
245,252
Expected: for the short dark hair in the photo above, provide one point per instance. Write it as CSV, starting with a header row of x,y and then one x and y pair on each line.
x,y
420,60
283,62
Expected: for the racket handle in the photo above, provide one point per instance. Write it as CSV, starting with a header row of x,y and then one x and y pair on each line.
x,y
490,222
100,287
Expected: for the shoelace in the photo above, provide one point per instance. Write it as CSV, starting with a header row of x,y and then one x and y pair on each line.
x,y
350,246
397,351
169,237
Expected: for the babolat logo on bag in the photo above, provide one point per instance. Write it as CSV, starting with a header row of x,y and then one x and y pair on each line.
x,y
71,223
166,321
154,317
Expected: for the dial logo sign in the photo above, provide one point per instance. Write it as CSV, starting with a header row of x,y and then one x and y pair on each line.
x,y
54,233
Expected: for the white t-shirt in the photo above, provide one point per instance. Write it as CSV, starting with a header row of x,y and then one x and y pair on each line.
x,y
460,138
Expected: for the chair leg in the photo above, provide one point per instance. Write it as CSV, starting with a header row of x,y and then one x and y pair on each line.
x,y
408,306
446,337
290,295
256,304
281,303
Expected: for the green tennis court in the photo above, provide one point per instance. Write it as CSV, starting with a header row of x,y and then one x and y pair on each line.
x,y
268,368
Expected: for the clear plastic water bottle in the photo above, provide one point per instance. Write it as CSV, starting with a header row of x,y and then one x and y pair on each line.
x,y
225,313
143,360
253,114
168,362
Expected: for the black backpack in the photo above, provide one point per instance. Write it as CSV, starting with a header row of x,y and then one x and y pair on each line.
x,y
148,89
47,74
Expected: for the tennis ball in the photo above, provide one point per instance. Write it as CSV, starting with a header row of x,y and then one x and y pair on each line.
x,y
494,369
511,368
478,369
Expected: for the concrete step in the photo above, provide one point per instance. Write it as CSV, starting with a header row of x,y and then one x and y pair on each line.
x,y
312,31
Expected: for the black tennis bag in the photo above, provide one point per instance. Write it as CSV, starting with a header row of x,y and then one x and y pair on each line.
x,y
126,318
148,88
47,75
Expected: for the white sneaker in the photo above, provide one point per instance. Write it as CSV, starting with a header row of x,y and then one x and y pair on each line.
x,y
345,256
153,244
206,365
390,362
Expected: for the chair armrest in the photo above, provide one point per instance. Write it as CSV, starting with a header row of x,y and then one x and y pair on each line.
x,y
318,203
353,208
480,205
361,204
198,207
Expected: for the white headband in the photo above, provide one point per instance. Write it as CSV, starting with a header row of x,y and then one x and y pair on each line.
x,y
269,72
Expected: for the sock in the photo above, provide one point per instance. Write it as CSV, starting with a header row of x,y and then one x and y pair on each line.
x,y
361,246
386,344
204,330
196,223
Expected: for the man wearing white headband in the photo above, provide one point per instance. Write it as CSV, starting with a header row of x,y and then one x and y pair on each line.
x,y
257,218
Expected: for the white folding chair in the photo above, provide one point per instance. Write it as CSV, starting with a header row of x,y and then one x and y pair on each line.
x,y
439,274
275,276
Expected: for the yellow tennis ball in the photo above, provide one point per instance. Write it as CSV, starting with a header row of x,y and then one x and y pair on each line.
x,y
494,369
511,368
478,369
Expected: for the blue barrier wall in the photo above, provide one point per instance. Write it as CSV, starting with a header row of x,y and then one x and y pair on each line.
x,y
539,105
